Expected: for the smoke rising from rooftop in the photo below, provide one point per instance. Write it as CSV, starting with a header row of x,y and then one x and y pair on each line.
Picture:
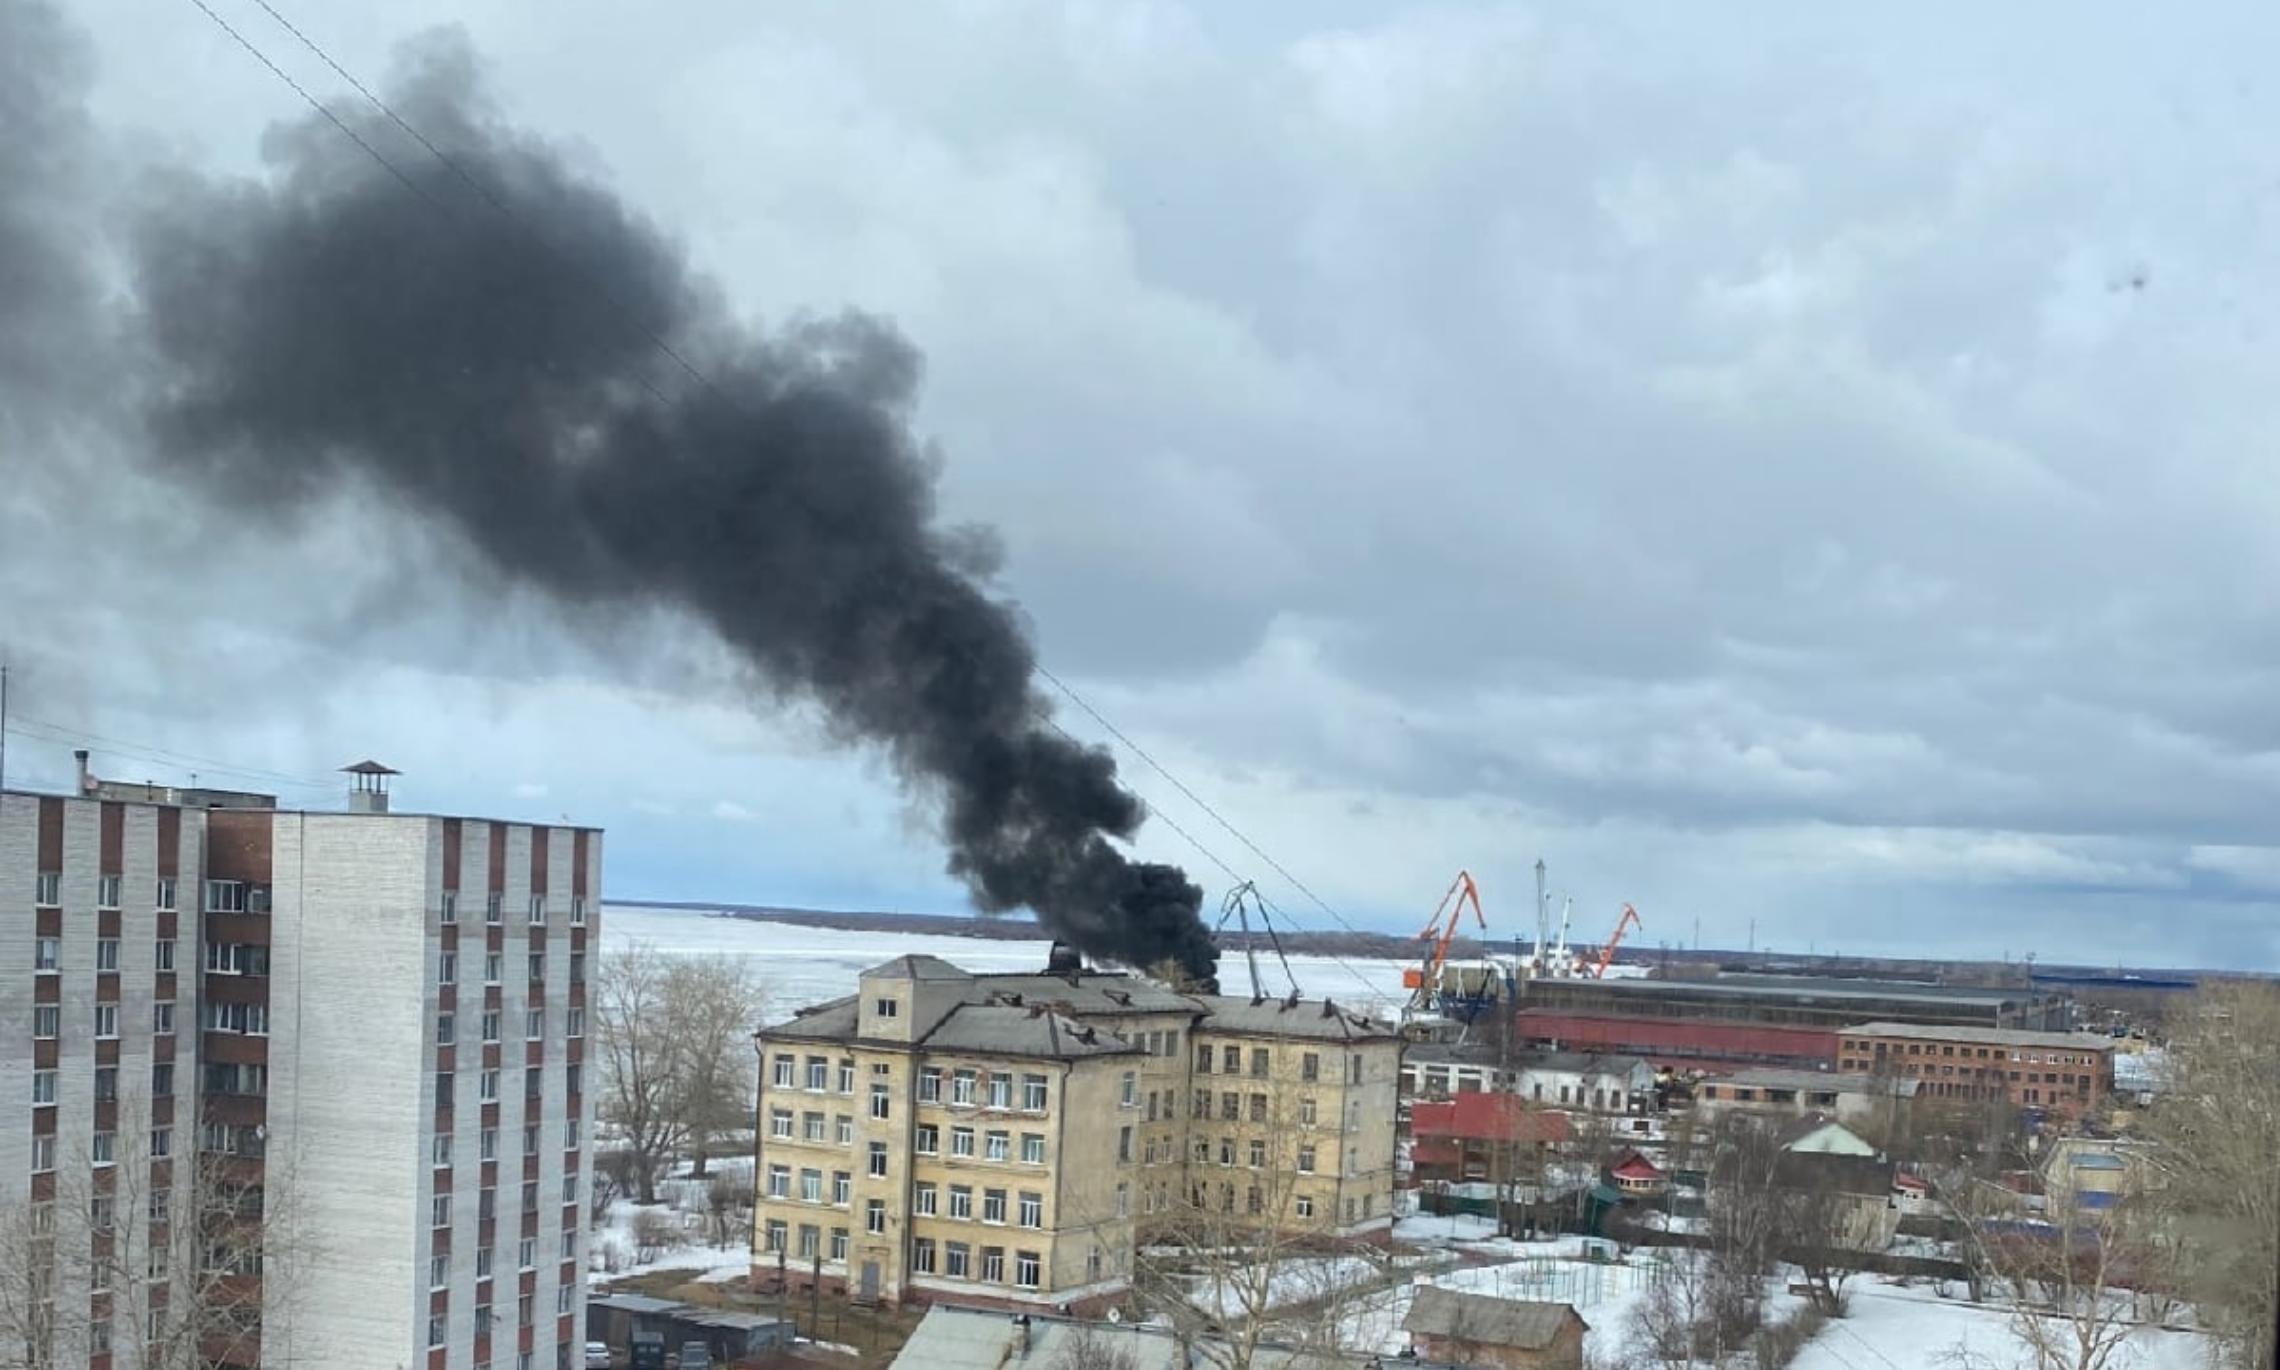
x,y
326,327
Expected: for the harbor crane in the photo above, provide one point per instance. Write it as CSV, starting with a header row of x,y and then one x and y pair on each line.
x,y
1440,931
1624,924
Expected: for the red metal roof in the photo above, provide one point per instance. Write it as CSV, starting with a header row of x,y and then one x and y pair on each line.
x,y
1478,1116
1635,1167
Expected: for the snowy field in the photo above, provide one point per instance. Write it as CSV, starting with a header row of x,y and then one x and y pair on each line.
x,y
803,965
1910,1325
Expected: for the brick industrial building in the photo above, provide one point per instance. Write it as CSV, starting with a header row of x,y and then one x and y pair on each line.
x,y
2069,1072
368,1025
1010,1138
1757,1020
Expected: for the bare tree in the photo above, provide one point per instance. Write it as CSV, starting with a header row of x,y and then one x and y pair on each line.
x,y
185,1245
2065,1281
1090,1349
676,1047
728,1207
2212,1153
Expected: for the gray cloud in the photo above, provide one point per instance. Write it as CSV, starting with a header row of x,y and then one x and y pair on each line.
x,y
1830,457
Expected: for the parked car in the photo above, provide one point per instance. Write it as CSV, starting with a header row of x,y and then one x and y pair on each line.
x,y
695,1355
597,1355
648,1351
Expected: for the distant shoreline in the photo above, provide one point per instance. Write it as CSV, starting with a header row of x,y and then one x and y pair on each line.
x,y
1378,946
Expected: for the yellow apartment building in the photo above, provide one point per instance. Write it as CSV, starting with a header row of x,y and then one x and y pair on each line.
x,y
1007,1138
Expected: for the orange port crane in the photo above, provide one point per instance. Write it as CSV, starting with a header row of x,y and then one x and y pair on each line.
x,y
1628,921
1440,932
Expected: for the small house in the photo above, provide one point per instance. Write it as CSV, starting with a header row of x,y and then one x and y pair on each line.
x,y
1637,1177
1451,1328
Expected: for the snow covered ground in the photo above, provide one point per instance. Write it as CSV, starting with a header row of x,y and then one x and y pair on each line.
x,y
1909,1326
1294,1281
615,1251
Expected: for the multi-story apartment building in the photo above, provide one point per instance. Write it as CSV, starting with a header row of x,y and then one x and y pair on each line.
x,y
2068,1072
1007,1138
353,1041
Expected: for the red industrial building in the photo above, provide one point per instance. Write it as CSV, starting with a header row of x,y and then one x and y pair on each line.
x,y
1681,1043
1457,1139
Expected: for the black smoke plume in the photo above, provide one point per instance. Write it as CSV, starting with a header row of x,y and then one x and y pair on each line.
x,y
329,327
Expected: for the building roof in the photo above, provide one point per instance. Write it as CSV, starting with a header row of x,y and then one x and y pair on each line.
x,y
1002,1030
1810,987
1091,992
917,966
951,1338
1478,1116
1825,1081
1476,1054
2009,1037
1525,1324
1320,1019
634,1303
1810,1125
1636,1166
2096,1160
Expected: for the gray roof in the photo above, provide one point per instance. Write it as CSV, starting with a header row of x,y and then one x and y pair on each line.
x,y
1318,1019
918,967
1814,987
1486,1319
1473,1054
2008,1037
1827,1081
831,1021
635,1303
950,1338
1002,1030
1093,992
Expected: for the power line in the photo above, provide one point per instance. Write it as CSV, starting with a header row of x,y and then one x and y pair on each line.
x,y
36,730
665,347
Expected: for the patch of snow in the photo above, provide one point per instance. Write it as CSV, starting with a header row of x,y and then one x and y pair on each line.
x,y
1911,1325
613,1252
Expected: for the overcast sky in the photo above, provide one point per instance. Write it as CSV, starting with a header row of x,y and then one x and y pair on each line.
x,y
1794,469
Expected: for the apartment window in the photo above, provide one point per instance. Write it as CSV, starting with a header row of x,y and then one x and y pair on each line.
x,y
447,909
1354,1068
878,1168
1306,1159
1258,1108
993,1264
787,1070
961,1201
530,1140
996,1146
494,968
779,1182
1258,1153
923,1200
534,1024
1123,1201
162,955
570,1134
1033,1093
1032,1210
161,1143
439,1275
885,1008
106,953
106,891
1025,1269
922,1256
1129,1090
1033,1148
577,910
1310,1066
811,1186
446,967
955,1260
43,1086
538,965
810,1241
818,1074
930,1085
492,904
961,1141
537,910
446,1029
107,1020
993,1205
875,1216
47,889
842,1188
928,1140
577,968
844,1128
487,1087
962,1086
1124,1146
491,1025
163,899
1227,1151
812,1127
1203,1060
1230,1060
439,1150
847,1077
534,1082
526,1255
1230,1107
574,1078
772,1238
43,1153
225,896
879,1106
46,954
1001,1089
439,1211
106,1084
102,1213
574,1021
47,1021
487,1144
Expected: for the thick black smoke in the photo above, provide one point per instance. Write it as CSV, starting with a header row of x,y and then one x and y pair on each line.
x,y
46,296
329,327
